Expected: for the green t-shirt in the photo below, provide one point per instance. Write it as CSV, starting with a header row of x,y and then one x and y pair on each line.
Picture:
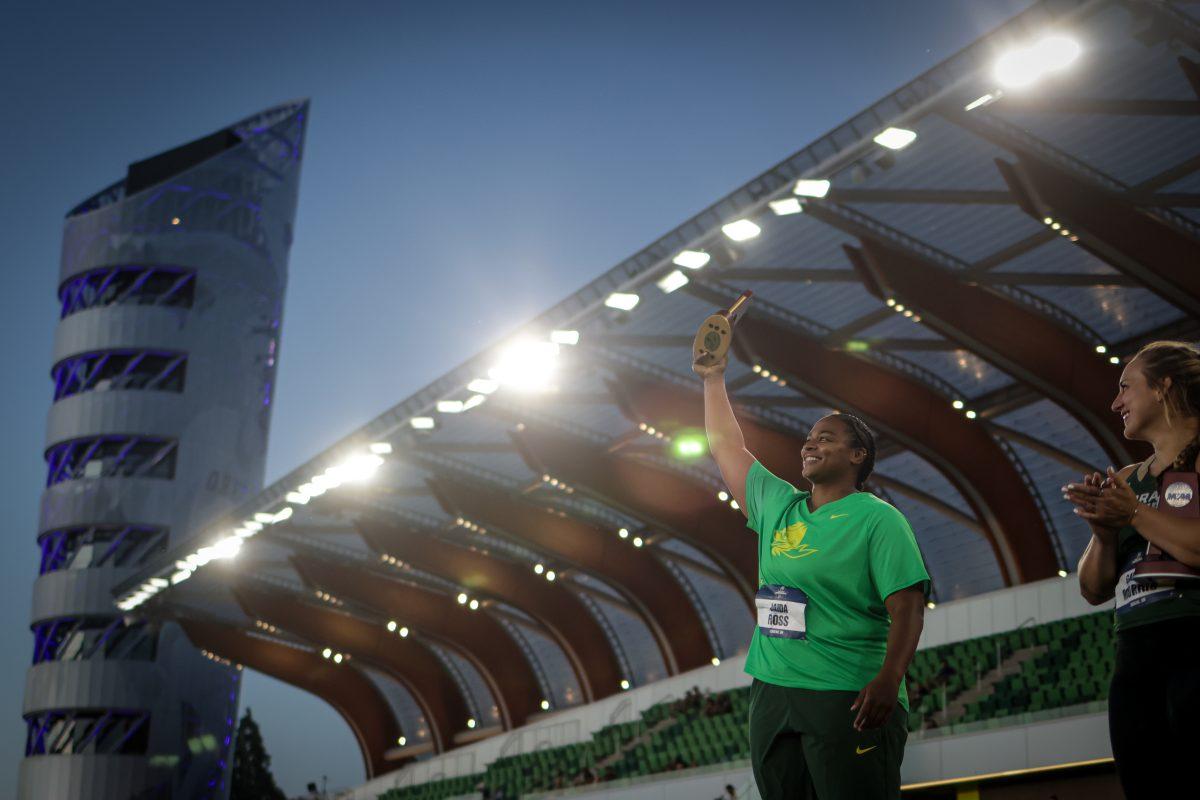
x,y
845,558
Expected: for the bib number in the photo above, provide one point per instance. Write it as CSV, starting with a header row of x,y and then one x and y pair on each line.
x,y
781,611
1134,592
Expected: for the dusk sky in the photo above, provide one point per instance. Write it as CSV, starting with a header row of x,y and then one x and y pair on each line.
x,y
467,166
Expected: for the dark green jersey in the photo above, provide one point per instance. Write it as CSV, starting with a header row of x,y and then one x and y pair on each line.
x,y
1144,601
823,577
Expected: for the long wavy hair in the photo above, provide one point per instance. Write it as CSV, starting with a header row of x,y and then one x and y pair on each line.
x,y
1180,362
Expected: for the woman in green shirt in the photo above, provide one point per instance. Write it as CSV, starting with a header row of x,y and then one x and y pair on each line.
x,y
1154,698
840,606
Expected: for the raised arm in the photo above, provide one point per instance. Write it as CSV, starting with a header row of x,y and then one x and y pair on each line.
x,y
725,440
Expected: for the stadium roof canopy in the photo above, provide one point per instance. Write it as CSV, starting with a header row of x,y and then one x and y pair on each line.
x,y
970,295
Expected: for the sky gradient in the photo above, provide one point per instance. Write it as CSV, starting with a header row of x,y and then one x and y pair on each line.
x,y
467,166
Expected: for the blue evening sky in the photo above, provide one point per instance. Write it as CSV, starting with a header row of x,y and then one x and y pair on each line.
x,y
468,164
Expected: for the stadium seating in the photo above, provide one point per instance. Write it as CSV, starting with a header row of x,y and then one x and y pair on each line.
x,y
1033,677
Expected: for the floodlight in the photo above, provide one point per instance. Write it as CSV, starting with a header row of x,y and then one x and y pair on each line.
x,y
979,102
391,626
526,365
285,513
158,583
181,576
716,662
624,683
622,300
539,568
471,723
788,205
402,741
806,187
473,401
403,632
227,547
689,446
482,386
327,652
381,448
672,281
1025,66
623,533
691,259
450,406
896,138
550,576
740,230
422,423
296,497
264,517
545,704
462,598
564,337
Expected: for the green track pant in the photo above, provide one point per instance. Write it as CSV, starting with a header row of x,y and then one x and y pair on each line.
x,y
803,745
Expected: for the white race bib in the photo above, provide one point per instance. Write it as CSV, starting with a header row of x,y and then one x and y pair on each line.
x,y
781,611
1133,594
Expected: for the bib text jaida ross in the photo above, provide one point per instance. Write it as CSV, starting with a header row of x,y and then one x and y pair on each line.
x,y
840,607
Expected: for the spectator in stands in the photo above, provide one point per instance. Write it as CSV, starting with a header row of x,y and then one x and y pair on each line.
x,y
1154,698
840,602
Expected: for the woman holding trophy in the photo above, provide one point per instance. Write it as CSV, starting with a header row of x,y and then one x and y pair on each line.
x,y
840,603
1145,553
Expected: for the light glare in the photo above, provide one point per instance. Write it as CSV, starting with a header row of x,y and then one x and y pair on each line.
x,y
1025,66
526,365
422,423
740,230
482,386
622,300
807,187
788,205
691,259
896,138
565,337
672,281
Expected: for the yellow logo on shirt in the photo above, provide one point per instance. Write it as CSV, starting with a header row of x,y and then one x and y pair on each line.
x,y
790,542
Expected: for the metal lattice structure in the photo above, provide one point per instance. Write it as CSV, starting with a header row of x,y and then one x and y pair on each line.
x,y
159,423
971,295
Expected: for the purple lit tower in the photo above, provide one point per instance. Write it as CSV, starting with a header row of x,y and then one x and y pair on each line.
x,y
171,298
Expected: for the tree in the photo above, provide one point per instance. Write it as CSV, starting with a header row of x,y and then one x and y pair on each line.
x,y
252,778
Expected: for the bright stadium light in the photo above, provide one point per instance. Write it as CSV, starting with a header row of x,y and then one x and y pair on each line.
x,y
550,576
482,386
740,230
806,187
381,448
264,518
788,205
473,401
228,547
691,259
180,576
716,662
403,632
526,365
689,446
449,406
622,301
462,598
402,741
357,468
327,652
979,102
623,533
565,337
391,626
471,723
672,281
896,138
296,497
545,704
624,684
422,423
473,605
539,568
1025,66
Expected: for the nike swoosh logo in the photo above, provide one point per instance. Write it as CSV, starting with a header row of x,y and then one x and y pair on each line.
x,y
858,751
838,516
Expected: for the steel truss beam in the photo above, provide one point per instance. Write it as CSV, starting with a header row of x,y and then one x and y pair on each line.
x,y
563,617
1157,254
691,512
680,637
351,693
406,661
475,635
1027,345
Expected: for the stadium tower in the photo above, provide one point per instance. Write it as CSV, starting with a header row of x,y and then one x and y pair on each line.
x,y
171,289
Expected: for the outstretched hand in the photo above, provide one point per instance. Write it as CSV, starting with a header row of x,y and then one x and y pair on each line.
x,y
710,369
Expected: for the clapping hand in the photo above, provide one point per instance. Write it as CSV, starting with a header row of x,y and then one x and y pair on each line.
x,y
1107,502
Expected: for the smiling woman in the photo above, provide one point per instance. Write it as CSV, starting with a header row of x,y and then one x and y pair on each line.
x,y
1145,554
841,590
